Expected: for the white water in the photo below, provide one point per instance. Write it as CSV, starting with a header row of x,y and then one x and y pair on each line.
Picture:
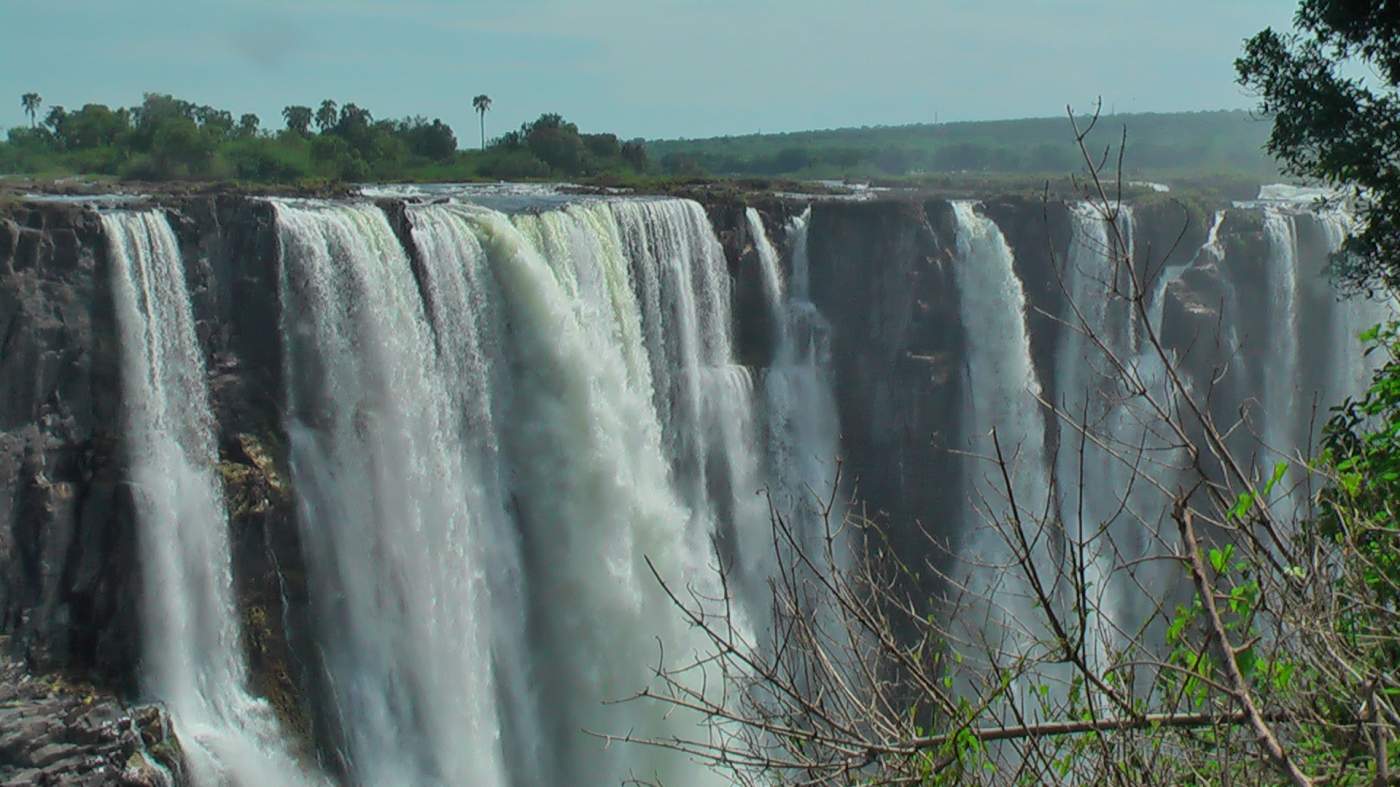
x,y
1002,390
394,514
1105,496
1094,481
803,430
192,655
484,478
1349,374
710,419
1280,433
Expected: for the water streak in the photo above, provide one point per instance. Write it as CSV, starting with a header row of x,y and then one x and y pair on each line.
x,y
1003,388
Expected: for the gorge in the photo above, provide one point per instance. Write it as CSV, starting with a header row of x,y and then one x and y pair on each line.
x,y
371,490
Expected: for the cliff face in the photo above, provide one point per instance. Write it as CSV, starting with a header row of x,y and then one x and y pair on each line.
x,y
881,273
66,536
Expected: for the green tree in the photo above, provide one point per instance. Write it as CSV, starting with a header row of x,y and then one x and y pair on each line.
x,y
1336,126
482,103
635,154
155,110
218,122
431,140
326,116
93,126
248,125
31,103
181,148
298,119
57,114
557,146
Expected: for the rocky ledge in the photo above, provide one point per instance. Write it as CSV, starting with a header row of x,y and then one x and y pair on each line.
x,y
57,730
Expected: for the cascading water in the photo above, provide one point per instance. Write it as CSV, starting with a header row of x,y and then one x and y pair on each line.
x,y
1003,388
1281,434
393,516
1107,480
594,496
496,433
1350,371
803,432
705,401
490,457
1093,479
192,651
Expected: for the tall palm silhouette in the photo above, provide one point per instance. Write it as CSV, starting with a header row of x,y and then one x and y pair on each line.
x,y
326,116
482,103
31,103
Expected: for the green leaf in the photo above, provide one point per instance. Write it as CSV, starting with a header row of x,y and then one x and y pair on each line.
x,y
1242,506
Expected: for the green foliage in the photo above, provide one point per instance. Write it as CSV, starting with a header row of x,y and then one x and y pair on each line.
x,y
1176,145
1361,449
169,138
268,160
298,119
553,146
31,103
326,115
1334,126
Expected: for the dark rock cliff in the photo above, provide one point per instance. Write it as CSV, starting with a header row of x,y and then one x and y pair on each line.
x,y
67,542
881,274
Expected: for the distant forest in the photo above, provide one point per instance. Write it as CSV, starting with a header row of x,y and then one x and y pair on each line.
x,y
1183,144
166,138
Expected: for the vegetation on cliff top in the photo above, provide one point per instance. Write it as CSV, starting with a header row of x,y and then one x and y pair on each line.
x,y
167,138
1164,145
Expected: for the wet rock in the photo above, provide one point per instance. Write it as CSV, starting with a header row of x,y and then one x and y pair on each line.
x,y
56,730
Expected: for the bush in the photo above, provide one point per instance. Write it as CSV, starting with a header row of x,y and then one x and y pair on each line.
x,y
557,147
508,164
266,160
105,160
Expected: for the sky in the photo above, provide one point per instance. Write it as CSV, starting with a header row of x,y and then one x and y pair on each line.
x,y
638,68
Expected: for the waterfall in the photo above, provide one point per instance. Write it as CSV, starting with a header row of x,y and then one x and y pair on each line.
x,y
393,512
1093,480
1104,491
490,457
1349,372
594,496
803,432
192,652
1002,394
709,418
1280,379
771,276
500,424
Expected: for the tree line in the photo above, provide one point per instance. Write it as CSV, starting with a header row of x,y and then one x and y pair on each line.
x,y
1178,143
167,138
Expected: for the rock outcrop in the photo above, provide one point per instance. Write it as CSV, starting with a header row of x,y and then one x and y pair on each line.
x,y
55,730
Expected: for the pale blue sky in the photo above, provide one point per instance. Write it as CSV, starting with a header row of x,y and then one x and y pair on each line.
x,y
653,68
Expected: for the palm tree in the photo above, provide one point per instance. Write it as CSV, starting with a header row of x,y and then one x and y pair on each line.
x,y
31,103
326,116
298,118
482,103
